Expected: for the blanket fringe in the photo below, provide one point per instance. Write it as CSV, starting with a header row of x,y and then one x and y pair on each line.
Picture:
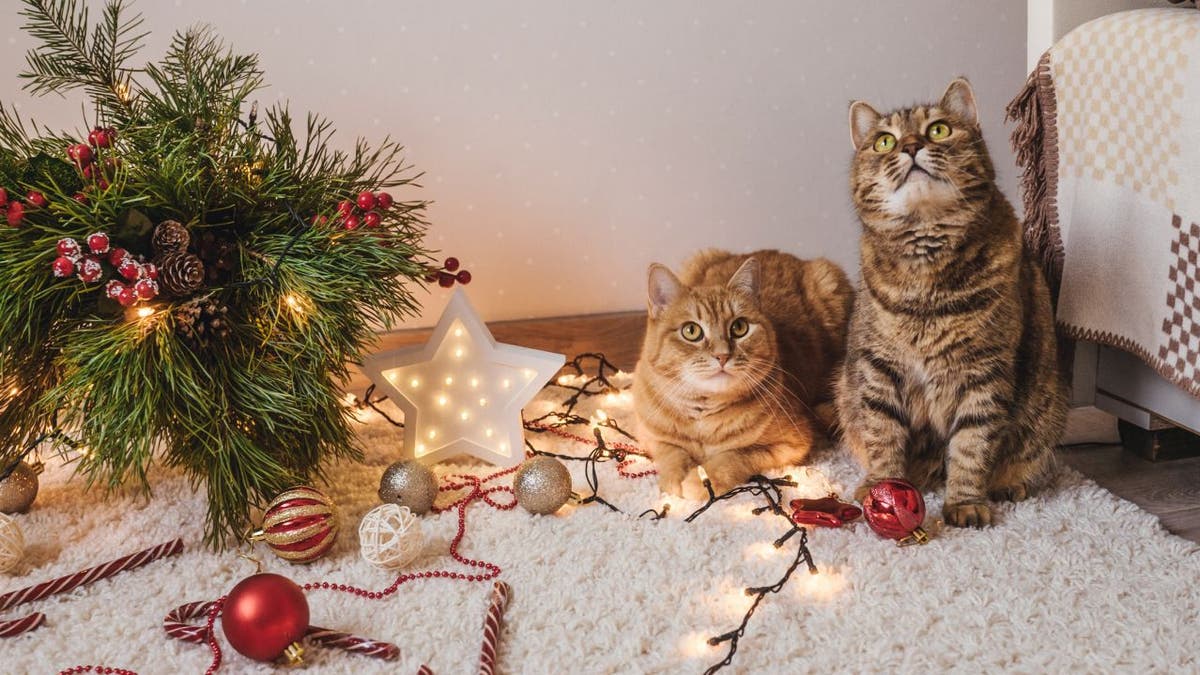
x,y
1035,142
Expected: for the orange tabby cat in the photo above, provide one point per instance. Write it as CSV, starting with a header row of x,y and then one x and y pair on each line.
x,y
739,353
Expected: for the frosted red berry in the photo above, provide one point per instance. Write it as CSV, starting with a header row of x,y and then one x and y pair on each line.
x,y
90,270
113,288
117,255
126,296
146,289
151,271
451,264
63,267
383,200
366,200
130,269
16,213
37,199
371,219
463,277
445,279
68,247
98,242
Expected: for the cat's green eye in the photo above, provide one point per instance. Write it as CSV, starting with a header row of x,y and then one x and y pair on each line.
x,y
691,331
739,328
937,131
885,143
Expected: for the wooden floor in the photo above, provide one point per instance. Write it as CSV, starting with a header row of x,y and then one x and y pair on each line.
x,y
1170,489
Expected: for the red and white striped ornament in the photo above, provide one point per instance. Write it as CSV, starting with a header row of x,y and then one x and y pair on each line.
x,y
300,525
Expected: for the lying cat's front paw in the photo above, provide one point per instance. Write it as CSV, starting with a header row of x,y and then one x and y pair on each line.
x,y
967,515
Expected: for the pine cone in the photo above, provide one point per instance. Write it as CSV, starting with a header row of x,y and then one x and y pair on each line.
x,y
220,257
180,274
169,237
199,322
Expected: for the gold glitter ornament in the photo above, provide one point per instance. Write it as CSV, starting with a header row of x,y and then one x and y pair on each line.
x,y
542,485
20,488
409,483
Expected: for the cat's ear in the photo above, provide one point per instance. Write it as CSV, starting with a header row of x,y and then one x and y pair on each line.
x,y
664,288
863,119
745,279
959,100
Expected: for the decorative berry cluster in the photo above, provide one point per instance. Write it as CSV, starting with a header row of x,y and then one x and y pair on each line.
x,y
138,279
83,157
449,274
15,209
363,211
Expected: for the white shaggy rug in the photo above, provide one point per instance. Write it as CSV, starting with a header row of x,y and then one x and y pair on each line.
x,y
1077,580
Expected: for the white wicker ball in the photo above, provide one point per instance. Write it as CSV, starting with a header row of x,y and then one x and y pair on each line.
x,y
390,536
12,543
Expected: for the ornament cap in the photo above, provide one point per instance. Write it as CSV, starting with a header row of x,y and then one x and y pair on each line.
x,y
293,655
917,536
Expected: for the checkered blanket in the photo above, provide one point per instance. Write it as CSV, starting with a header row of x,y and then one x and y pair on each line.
x,y
1108,136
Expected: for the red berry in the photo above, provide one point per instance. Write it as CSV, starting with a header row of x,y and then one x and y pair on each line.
x,y
102,138
320,221
16,213
346,208
445,279
91,171
117,255
451,264
126,296
90,269
63,267
98,242
351,222
383,200
113,288
371,219
37,199
102,184
430,278
80,153
111,164
68,247
146,289
463,277
3,197
151,271
81,198
366,200
130,269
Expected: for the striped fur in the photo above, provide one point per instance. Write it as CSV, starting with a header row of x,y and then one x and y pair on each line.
x,y
757,411
951,371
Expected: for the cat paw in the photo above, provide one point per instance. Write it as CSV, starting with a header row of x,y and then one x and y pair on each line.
x,y
967,515
1009,493
693,489
860,492
670,485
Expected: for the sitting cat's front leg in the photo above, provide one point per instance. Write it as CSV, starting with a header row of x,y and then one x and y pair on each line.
x,y
673,464
968,465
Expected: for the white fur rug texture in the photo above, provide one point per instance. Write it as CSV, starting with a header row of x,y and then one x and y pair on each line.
x,y
1075,580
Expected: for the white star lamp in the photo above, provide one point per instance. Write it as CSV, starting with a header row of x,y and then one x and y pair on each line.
x,y
462,392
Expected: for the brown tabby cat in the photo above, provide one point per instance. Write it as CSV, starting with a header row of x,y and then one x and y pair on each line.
x,y
951,369
737,356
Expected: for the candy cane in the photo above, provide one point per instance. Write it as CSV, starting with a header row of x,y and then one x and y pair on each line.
x,y
73,581
493,621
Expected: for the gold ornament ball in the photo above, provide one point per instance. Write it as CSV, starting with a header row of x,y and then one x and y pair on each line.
x,y
12,544
542,485
18,491
409,483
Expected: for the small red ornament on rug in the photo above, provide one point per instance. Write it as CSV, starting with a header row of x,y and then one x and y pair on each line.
x,y
824,512
264,618
895,509
300,525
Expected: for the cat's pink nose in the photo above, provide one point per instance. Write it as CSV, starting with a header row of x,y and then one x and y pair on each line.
x,y
721,359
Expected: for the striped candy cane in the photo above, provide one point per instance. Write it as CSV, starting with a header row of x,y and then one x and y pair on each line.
x,y
493,621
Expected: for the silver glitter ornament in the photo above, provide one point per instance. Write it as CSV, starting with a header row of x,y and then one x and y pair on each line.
x,y
409,483
542,485
19,489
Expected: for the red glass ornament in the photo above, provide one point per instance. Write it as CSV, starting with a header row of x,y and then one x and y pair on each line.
x,y
895,509
383,200
825,512
366,200
265,616
300,525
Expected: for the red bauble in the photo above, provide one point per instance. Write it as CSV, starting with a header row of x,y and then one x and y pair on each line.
x,y
463,277
264,616
63,267
371,219
80,153
451,264
366,200
383,200
37,199
299,525
16,213
98,242
895,509
68,247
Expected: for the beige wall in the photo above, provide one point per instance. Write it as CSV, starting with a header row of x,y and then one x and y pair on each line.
x,y
568,144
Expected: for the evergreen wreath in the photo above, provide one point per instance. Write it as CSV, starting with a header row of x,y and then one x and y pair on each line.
x,y
188,282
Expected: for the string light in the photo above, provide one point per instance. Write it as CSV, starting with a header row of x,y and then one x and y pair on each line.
x,y
144,312
293,302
